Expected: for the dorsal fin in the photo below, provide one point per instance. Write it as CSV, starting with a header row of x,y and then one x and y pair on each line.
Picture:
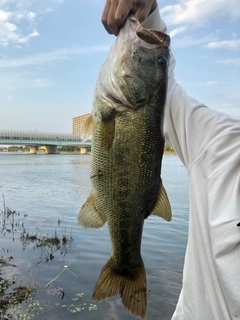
x,y
87,129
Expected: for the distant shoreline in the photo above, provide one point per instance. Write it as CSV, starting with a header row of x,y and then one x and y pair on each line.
x,y
166,153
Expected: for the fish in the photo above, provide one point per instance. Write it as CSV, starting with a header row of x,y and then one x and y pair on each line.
x,y
126,155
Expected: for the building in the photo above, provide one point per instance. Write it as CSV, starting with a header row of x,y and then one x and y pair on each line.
x,y
78,123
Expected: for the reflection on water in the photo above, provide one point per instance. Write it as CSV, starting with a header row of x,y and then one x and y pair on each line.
x,y
49,248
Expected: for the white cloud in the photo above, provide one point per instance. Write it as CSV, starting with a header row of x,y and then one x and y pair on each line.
x,y
212,83
4,15
189,41
226,104
234,62
176,31
31,15
26,39
10,34
19,4
58,55
7,33
13,82
199,12
17,16
207,84
226,44
41,83
10,31
24,4
27,15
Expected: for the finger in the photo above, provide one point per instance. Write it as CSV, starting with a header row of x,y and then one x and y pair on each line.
x,y
122,12
105,16
142,9
111,22
142,13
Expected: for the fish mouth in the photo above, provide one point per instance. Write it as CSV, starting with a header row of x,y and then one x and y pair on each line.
x,y
117,104
113,99
150,36
153,37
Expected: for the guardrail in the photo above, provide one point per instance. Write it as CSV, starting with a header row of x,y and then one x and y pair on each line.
x,y
28,135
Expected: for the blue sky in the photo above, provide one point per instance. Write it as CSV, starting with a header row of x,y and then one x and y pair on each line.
x,y
51,52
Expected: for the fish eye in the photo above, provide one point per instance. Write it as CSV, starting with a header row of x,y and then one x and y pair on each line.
x,y
162,61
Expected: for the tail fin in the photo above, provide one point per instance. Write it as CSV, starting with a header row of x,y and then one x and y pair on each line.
x,y
132,288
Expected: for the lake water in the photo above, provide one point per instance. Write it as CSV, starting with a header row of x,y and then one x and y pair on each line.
x,y
47,192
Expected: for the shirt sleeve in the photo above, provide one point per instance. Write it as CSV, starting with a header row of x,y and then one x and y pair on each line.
x,y
208,144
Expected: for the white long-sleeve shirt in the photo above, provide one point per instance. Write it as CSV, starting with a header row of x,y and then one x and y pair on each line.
x,y
208,144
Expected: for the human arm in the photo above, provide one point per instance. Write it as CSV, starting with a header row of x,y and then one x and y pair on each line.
x,y
208,144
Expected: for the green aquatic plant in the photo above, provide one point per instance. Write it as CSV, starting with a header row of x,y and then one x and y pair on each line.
x,y
82,306
77,296
32,308
92,307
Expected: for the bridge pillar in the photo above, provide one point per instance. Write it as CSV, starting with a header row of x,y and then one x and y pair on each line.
x,y
83,151
33,149
51,150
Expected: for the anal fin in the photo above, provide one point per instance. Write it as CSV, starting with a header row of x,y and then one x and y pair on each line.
x,y
90,215
162,207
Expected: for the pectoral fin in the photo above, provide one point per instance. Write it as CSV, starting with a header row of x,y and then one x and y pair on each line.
x,y
90,215
107,128
162,207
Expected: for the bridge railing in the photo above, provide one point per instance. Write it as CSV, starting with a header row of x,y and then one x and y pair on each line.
x,y
28,135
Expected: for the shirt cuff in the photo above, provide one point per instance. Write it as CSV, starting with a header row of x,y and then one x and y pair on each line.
x,y
155,22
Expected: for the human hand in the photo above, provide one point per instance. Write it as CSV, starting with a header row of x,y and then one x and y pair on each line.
x,y
116,12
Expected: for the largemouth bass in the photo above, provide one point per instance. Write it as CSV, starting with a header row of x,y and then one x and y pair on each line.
x,y
127,149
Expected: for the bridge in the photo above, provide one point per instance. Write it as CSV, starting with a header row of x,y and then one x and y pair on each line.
x,y
51,141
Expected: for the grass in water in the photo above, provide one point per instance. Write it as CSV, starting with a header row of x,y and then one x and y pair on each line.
x,y
18,300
